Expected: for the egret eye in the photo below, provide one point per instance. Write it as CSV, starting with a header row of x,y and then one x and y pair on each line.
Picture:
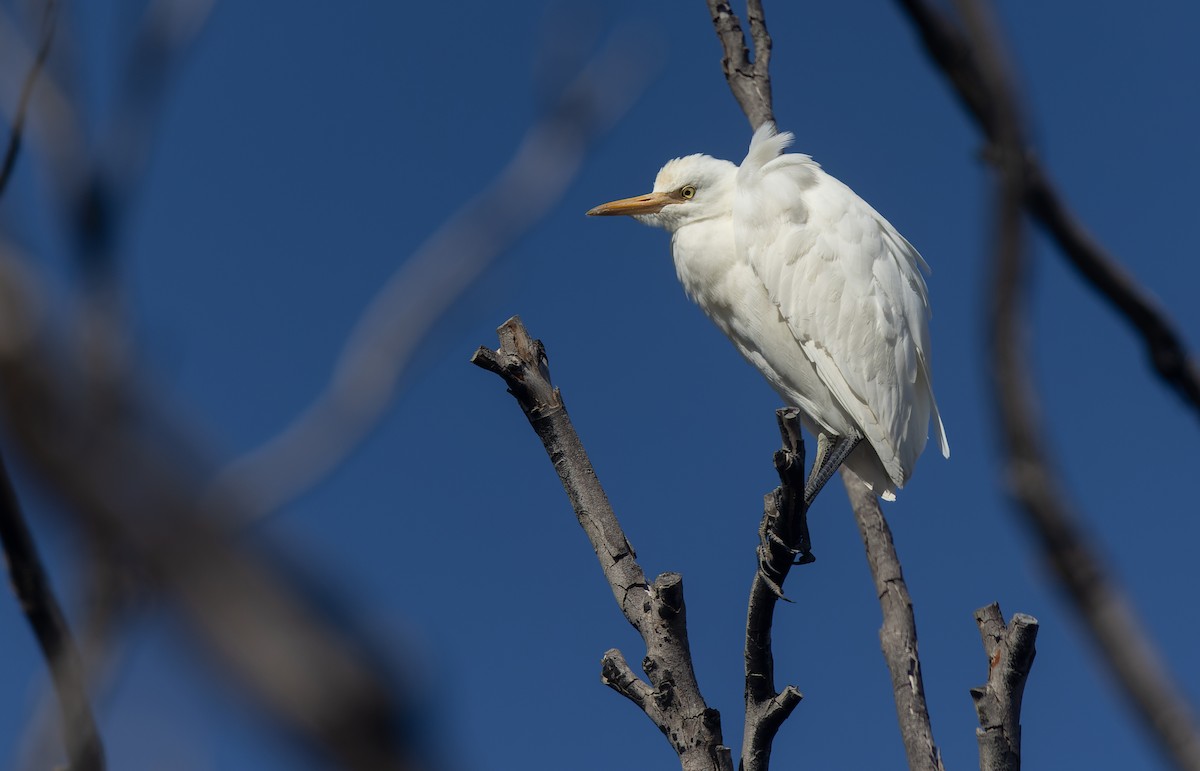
x,y
688,192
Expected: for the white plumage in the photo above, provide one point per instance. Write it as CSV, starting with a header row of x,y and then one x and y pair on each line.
x,y
814,288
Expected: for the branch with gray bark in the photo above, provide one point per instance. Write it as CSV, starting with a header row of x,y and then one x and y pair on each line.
x,y
671,698
1010,651
749,78
898,635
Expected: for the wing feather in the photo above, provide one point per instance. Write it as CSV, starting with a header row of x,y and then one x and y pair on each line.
x,y
851,290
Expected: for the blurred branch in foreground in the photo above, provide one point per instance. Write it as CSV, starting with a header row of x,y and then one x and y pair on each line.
x,y
388,332
130,474
1028,465
31,584
17,131
953,52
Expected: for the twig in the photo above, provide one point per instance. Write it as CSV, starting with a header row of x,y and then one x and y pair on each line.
x,y
782,536
749,81
672,698
898,635
31,584
1031,478
950,50
375,355
1010,650
49,23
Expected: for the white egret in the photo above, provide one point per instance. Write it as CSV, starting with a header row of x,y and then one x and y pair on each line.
x,y
815,289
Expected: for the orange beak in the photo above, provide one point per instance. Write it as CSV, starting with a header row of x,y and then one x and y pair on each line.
x,y
651,203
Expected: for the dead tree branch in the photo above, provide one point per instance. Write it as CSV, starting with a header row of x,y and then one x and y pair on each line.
x,y
1029,467
952,51
750,81
898,635
656,610
31,584
783,542
1010,650
16,134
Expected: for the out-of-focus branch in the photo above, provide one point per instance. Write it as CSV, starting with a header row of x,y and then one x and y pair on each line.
x,y
31,584
898,635
656,610
1030,470
782,537
750,81
1010,650
422,289
129,473
13,148
951,50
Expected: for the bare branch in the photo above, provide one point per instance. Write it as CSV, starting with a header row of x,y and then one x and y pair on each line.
x,y
1010,651
672,699
898,635
1031,478
49,23
951,50
31,584
384,339
749,81
782,536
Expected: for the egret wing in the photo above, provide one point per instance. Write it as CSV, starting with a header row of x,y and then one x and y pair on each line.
x,y
851,290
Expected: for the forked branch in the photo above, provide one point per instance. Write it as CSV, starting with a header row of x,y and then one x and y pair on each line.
x,y
750,80
656,610
1010,650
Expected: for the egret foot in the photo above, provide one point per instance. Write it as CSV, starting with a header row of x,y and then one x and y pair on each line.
x,y
830,456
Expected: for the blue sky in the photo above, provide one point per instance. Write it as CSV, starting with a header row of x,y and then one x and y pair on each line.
x,y
306,149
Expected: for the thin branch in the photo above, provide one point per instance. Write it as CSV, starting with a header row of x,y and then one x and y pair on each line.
x,y
783,536
750,81
1010,651
672,698
898,635
1032,480
49,23
378,350
31,584
949,48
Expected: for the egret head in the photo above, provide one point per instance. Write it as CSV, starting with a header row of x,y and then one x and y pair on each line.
x,y
686,190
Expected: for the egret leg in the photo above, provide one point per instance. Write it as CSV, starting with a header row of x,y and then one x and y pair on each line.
x,y
831,453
